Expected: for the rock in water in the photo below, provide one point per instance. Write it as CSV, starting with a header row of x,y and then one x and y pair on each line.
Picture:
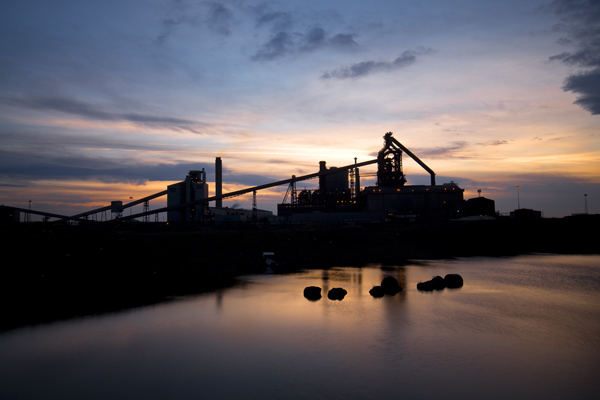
x,y
377,291
437,283
312,292
392,290
390,285
337,294
453,281
389,281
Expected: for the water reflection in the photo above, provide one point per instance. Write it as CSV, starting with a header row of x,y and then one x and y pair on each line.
x,y
526,327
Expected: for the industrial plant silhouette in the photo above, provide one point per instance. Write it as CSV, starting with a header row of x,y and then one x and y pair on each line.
x,y
339,197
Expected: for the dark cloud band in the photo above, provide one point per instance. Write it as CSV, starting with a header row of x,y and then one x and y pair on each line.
x,y
88,111
365,68
581,24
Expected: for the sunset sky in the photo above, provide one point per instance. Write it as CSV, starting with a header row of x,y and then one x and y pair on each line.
x,y
107,100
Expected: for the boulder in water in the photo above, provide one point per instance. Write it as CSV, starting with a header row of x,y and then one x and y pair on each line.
x,y
312,292
436,283
337,294
453,281
377,291
390,285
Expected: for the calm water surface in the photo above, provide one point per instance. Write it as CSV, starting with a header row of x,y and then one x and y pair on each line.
x,y
521,327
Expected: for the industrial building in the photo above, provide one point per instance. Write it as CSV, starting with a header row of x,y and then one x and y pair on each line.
x,y
339,197
192,189
390,198
480,206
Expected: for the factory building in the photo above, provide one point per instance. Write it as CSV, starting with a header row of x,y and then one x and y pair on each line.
x,y
390,198
480,206
333,196
427,202
193,188
339,197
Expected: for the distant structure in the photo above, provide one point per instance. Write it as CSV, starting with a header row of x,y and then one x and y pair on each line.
x,y
480,206
193,188
339,197
219,181
390,198
525,213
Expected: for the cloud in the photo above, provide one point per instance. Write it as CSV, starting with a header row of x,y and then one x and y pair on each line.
x,y
581,25
19,167
314,39
283,43
587,84
441,152
343,40
58,160
437,152
284,40
91,112
278,46
365,68
215,16
219,18
493,143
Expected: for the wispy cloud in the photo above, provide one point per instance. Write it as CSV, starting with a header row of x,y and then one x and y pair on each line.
x,y
284,43
493,143
92,112
39,165
288,34
215,16
442,151
364,68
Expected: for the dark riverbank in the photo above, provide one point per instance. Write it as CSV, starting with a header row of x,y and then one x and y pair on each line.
x,y
62,272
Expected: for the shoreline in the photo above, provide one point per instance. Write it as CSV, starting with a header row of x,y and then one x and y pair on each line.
x,y
75,272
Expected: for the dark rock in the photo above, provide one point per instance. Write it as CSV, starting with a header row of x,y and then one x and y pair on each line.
x,y
312,292
392,290
436,283
453,281
389,281
377,291
337,294
425,286
390,285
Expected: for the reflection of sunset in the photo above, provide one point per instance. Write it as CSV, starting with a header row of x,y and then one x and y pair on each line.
x,y
526,319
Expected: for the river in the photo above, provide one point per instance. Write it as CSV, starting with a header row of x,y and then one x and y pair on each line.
x,y
520,327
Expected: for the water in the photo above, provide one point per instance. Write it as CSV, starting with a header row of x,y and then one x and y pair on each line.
x,y
521,327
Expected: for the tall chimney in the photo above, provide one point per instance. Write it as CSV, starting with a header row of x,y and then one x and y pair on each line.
x,y
219,181
322,178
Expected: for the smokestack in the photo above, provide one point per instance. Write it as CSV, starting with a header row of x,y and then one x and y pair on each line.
x,y
322,178
219,181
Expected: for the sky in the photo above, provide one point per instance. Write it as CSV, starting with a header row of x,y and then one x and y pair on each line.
x,y
112,100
